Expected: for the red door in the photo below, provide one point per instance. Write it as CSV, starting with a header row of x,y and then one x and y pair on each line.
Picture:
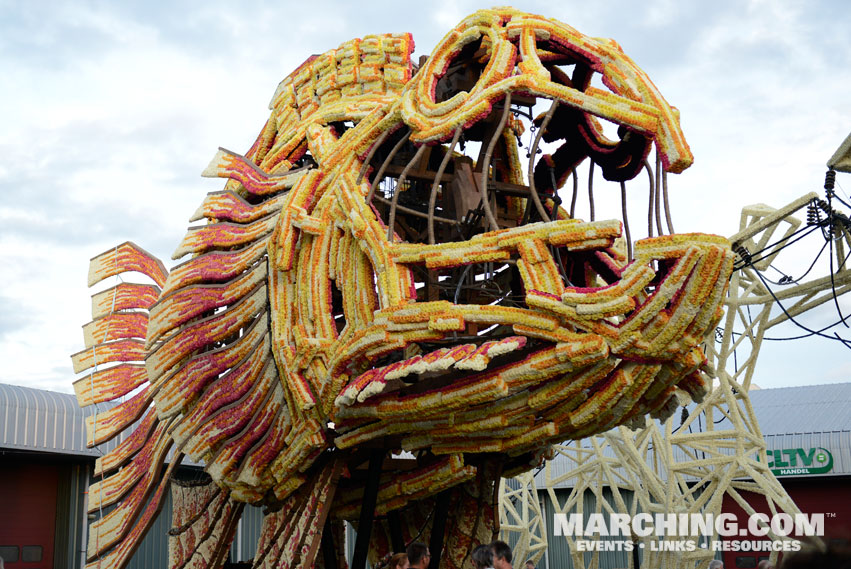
x,y
27,513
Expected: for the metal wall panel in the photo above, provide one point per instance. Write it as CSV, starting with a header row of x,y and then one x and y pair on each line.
x,y
247,534
557,555
153,551
34,419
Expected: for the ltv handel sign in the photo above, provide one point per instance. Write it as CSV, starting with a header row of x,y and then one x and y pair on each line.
x,y
788,461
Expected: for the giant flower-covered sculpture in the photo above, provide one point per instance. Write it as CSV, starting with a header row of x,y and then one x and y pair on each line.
x,y
363,287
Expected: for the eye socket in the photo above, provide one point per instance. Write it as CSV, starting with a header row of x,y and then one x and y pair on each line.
x,y
462,72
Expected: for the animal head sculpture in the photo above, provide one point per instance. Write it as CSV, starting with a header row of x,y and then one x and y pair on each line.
x,y
361,283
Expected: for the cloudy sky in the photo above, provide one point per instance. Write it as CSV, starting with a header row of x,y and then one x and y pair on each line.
x,y
110,110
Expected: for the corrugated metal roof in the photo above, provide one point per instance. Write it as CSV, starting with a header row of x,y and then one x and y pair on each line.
x,y
39,420
804,409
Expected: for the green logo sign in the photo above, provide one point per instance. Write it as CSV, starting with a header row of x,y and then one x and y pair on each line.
x,y
788,461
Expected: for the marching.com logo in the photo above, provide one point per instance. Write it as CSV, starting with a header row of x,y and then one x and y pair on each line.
x,y
693,530
687,525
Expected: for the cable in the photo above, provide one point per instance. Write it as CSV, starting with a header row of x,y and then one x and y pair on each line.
x,y
787,280
832,176
797,235
835,336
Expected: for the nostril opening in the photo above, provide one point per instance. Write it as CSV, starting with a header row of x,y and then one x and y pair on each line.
x,y
338,313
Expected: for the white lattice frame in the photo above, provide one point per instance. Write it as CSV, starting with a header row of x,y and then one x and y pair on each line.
x,y
656,480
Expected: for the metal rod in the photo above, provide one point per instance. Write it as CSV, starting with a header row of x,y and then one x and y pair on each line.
x,y
367,512
626,222
658,192
461,282
575,194
398,190
384,165
371,153
591,189
534,193
506,110
667,203
650,203
415,212
432,199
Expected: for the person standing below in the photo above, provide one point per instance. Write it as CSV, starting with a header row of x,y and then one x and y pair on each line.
x,y
715,564
501,555
398,561
530,564
418,555
483,557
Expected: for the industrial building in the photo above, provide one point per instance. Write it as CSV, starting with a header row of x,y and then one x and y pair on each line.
x,y
807,431
45,472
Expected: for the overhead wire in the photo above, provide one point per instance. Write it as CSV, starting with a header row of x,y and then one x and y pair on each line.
x,y
791,318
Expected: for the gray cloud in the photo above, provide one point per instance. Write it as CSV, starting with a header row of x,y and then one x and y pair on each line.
x,y
12,316
111,110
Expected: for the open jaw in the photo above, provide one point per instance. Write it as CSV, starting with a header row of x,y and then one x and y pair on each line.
x,y
523,325
577,362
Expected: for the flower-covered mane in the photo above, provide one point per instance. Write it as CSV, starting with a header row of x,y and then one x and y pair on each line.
x,y
362,287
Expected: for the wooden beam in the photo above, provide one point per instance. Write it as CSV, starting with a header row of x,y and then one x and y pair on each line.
x,y
329,552
438,528
395,523
367,512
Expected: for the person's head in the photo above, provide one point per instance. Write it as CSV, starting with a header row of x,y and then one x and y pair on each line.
x,y
501,555
398,561
715,564
418,554
483,557
530,564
